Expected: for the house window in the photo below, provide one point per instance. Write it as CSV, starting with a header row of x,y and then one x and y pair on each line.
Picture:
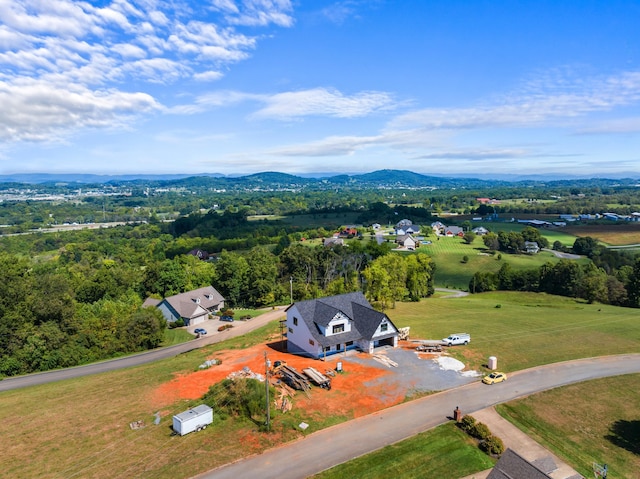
x,y
338,328
326,349
348,344
312,342
384,327
291,330
295,321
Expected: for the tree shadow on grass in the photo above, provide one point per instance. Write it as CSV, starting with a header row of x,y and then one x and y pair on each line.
x,y
625,434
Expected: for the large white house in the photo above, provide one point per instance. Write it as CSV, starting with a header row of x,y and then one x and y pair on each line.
x,y
325,326
193,307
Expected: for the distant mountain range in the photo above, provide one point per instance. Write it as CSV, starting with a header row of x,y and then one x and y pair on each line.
x,y
276,180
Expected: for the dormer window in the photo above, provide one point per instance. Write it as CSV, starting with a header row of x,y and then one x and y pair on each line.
x,y
338,328
197,300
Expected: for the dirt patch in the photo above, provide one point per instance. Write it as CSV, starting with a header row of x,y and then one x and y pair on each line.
x,y
364,386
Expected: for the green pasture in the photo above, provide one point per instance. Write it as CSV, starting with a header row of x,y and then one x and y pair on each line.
x,y
522,329
444,452
451,272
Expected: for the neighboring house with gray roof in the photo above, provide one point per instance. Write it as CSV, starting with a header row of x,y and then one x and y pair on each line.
x,y
193,307
325,326
407,241
512,465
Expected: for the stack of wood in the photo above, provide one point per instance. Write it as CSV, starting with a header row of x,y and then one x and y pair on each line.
x,y
317,377
294,379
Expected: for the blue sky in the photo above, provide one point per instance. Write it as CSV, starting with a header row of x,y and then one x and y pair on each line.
x,y
447,87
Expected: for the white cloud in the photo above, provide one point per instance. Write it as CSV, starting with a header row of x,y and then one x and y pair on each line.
x,y
38,111
618,125
208,76
127,50
92,54
331,146
544,106
477,154
257,12
323,102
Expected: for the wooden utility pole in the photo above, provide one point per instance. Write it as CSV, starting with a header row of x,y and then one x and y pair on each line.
x,y
267,365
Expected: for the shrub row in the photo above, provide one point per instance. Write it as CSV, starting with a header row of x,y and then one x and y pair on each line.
x,y
489,443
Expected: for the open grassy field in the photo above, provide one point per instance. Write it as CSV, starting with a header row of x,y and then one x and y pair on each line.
x,y
595,421
526,330
444,452
610,233
451,272
80,427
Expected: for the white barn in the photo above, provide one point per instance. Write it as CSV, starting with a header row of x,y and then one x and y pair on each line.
x,y
320,327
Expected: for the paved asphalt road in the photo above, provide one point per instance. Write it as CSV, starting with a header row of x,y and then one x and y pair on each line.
x,y
341,443
240,327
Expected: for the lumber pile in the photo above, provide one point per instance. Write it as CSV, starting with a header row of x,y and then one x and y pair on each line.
x,y
385,360
294,379
317,377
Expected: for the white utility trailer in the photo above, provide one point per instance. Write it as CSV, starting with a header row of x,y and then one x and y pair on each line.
x,y
193,420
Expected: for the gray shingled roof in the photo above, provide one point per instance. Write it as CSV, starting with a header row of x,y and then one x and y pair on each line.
x,y
513,466
187,304
355,306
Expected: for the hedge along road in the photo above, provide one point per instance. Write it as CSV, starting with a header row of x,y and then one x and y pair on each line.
x,y
240,328
338,444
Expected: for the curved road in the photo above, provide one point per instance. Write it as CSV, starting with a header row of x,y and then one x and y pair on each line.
x,y
338,444
240,328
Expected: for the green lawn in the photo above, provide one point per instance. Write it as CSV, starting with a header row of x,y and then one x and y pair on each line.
x,y
527,329
176,336
451,272
595,421
444,452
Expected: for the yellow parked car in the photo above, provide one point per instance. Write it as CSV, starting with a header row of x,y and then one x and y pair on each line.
x,y
494,378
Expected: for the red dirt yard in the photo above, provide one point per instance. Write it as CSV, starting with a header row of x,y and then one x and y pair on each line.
x,y
353,392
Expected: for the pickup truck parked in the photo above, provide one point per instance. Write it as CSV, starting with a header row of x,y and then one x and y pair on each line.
x,y
457,338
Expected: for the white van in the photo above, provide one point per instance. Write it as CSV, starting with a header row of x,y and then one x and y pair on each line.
x,y
457,338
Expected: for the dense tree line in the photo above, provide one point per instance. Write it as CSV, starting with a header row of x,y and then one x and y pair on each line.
x,y
514,242
44,326
611,277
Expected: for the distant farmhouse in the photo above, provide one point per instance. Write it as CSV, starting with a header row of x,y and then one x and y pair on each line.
x,y
193,307
325,326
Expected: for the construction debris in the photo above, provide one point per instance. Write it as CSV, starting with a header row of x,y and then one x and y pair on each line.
x,y
136,425
403,333
317,377
208,363
385,360
429,348
293,378
246,373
